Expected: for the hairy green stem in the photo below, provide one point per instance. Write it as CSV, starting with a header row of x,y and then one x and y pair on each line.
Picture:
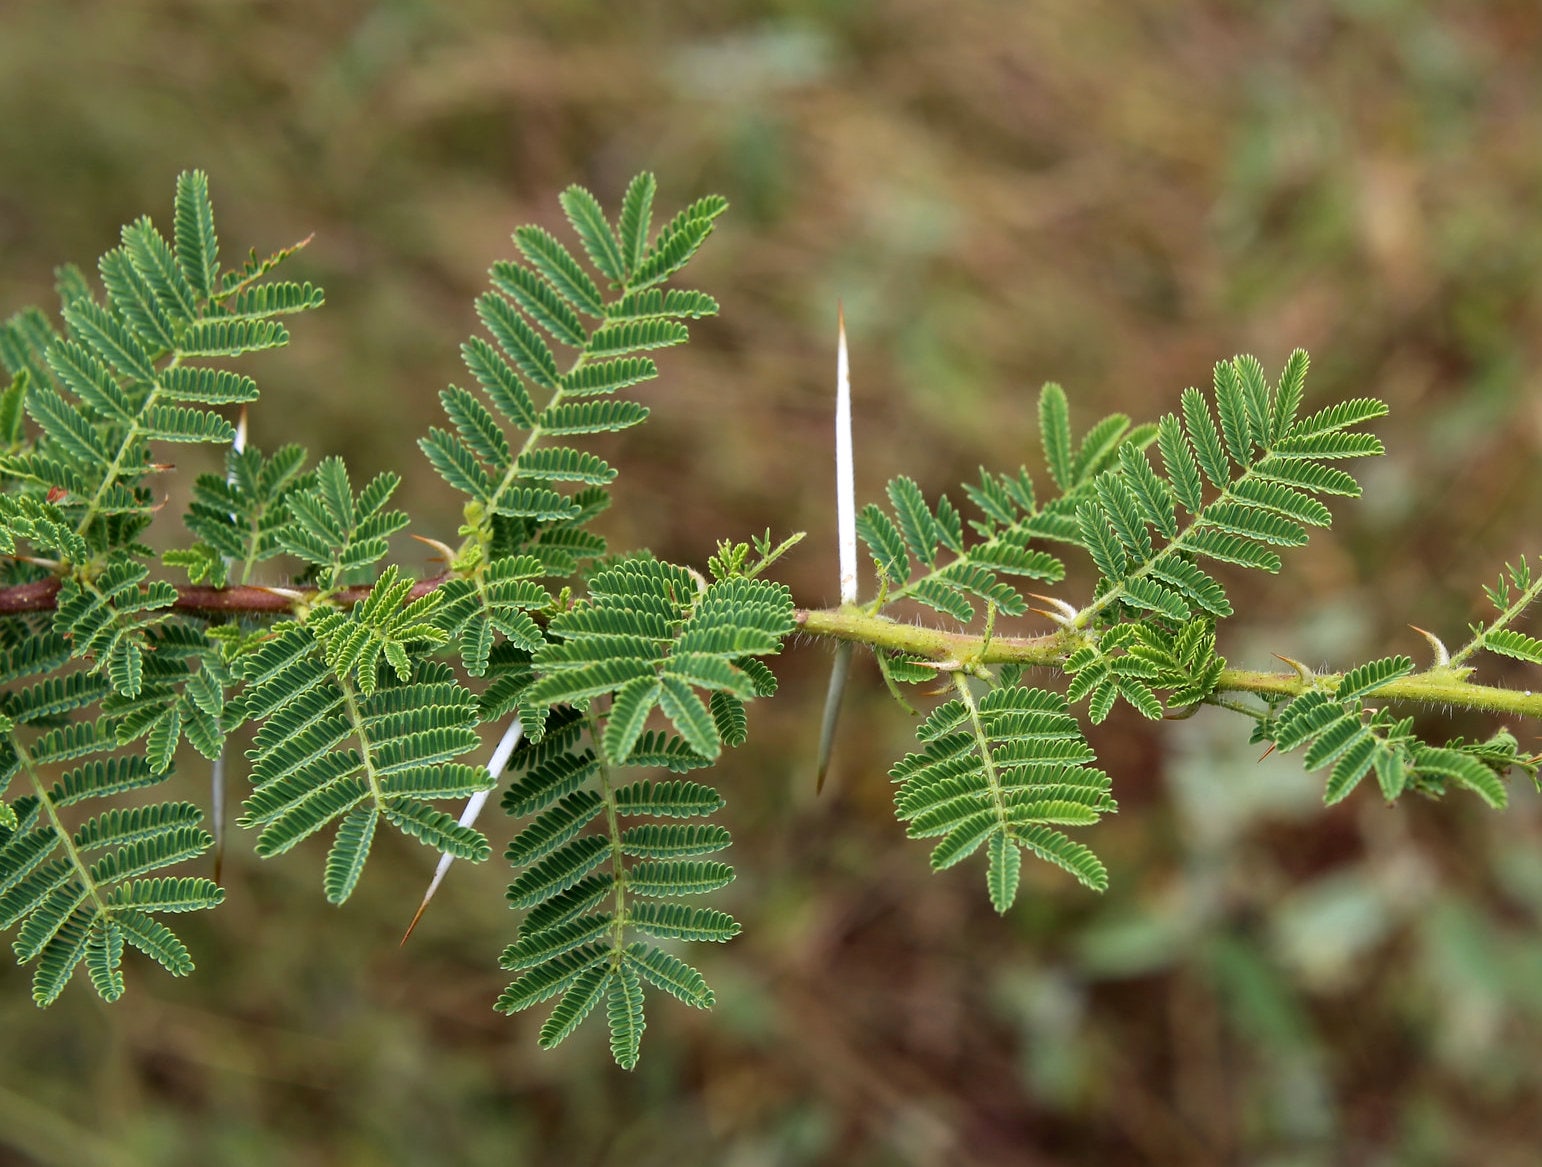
x,y
1439,686
1503,620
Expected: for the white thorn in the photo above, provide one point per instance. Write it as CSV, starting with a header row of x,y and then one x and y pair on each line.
x,y
474,806
845,474
217,811
846,529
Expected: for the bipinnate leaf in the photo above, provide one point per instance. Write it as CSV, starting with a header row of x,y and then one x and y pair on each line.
x,y
1000,770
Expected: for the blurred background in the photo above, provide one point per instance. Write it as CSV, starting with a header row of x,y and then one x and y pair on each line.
x,y
1110,195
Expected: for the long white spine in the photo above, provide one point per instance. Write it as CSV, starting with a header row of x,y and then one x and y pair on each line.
x,y
846,529
845,474
474,806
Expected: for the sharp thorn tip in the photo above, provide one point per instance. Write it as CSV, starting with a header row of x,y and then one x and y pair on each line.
x,y
416,917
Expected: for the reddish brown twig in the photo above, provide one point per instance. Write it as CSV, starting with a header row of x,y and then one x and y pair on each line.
x,y
43,596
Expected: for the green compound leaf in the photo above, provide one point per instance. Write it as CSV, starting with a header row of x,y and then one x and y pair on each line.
x,y
1372,676
1055,434
80,899
197,246
1513,644
1004,768
328,750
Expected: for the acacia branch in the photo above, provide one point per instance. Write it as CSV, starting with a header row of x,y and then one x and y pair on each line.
x,y
1438,686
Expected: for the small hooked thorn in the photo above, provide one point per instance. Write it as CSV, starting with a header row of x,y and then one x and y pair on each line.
x,y
1307,675
446,554
1442,656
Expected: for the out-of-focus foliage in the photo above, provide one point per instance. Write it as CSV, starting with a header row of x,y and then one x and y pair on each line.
x,y
1103,194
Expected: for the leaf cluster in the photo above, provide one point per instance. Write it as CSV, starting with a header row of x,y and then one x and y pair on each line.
x,y
1340,730
649,638
129,370
357,720
1004,772
78,896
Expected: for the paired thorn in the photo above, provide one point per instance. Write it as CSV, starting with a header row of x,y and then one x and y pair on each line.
x,y
1064,614
846,529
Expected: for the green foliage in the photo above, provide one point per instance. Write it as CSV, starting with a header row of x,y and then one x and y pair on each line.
x,y
357,721
587,894
1511,595
338,742
123,373
1239,470
335,531
923,533
120,376
1003,771
648,637
367,692
1265,464
550,292
77,896
239,517
1338,728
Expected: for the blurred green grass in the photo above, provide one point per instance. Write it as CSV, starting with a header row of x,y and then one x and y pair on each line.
x,y
1108,195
